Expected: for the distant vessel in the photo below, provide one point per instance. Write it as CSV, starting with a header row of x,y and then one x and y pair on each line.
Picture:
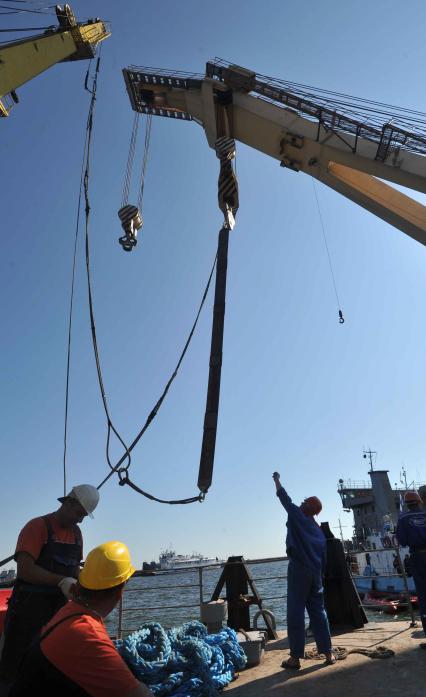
x,y
169,560
376,506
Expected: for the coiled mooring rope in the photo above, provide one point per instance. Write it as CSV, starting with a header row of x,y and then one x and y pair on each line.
x,y
183,661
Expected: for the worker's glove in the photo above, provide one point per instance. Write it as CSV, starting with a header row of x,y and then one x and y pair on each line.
x,y
67,587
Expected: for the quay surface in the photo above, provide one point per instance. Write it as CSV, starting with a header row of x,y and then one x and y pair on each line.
x,y
356,676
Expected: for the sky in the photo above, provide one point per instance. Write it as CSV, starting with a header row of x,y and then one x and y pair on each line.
x,y
301,393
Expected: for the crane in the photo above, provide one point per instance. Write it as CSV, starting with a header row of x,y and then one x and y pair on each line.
x,y
22,60
351,148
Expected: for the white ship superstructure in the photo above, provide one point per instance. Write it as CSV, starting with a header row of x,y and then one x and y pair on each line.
x,y
169,560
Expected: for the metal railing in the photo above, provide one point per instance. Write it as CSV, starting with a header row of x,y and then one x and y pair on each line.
x,y
124,610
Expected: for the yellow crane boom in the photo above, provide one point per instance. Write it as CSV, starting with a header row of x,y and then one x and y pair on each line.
x,y
21,61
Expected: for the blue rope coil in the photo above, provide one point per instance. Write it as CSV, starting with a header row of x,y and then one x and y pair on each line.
x,y
184,661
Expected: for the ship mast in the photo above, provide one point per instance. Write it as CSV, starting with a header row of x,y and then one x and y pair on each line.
x,y
369,454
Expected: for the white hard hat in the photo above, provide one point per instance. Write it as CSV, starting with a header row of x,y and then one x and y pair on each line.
x,y
86,494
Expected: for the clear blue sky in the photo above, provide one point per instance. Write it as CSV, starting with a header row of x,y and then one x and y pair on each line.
x,y
300,393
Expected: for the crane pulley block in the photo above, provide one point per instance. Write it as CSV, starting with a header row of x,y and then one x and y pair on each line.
x,y
227,184
131,222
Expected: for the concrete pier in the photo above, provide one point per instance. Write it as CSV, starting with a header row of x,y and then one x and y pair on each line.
x,y
404,674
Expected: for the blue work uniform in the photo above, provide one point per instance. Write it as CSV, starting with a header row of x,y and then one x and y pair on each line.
x,y
306,549
411,532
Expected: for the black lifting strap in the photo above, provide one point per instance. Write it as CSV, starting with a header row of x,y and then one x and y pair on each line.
x,y
205,472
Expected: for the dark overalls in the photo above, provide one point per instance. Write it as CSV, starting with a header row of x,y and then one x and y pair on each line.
x,y
31,606
39,676
306,549
411,530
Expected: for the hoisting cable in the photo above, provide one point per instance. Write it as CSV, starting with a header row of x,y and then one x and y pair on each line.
x,y
20,10
130,215
145,159
70,316
123,471
341,318
130,158
20,29
89,129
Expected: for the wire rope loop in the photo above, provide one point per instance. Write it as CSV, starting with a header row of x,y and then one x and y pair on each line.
x,y
123,476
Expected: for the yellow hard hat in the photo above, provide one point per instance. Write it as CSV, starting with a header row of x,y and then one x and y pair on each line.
x,y
106,566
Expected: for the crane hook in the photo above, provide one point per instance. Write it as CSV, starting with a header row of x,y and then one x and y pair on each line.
x,y
131,222
341,318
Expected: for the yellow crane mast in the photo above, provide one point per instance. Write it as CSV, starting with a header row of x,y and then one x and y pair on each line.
x,y
22,60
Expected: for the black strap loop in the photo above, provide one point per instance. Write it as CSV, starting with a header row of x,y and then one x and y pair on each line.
x,y
125,479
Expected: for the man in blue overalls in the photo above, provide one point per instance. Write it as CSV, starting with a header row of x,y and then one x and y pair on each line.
x,y
306,549
411,531
48,555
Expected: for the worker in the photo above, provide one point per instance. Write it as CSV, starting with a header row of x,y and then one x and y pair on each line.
x,y
74,654
48,555
397,564
306,549
411,532
422,494
369,569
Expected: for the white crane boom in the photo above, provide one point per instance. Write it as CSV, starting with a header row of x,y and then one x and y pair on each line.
x,y
349,153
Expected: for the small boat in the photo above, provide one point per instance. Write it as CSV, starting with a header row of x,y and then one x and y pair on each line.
x,y
390,605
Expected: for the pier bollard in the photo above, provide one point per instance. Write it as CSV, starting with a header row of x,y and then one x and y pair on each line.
x,y
213,614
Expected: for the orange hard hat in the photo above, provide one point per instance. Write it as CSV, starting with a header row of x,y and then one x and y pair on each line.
x,y
314,504
412,497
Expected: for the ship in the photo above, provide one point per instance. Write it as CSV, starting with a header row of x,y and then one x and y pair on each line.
x,y
7,578
170,561
378,565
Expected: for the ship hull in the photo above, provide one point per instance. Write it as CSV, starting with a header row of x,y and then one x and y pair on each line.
x,y
383,584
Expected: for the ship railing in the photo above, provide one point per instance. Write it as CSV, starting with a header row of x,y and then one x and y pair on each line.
x,y
124,609
354,484
366,485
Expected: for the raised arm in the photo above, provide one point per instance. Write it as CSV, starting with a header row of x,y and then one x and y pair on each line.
x,y
276,478
283,496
